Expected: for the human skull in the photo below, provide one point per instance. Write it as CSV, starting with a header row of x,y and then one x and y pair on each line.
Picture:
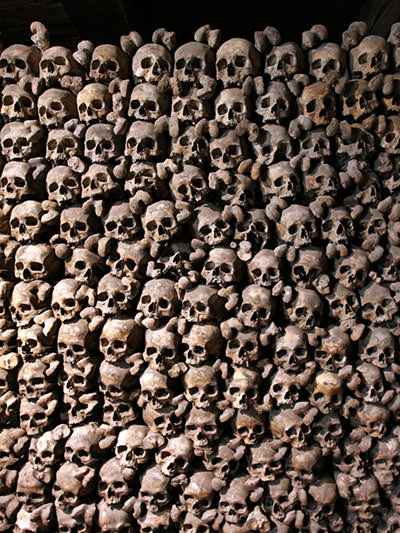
x,y
108,62
35,261
174,458
161,348
289,427
352,271
119,223
18,61
308,265
297,226
77,224
242,388
374,419
264,269
56,107
17,103
390,141
334,350
116,381
16,182
69,298
327,62
63,185
370,57
155,492
371,387
119,338
202,304
130,450
93,103
151,62
273,145
236,59
190,185
86,442
284,389
112,519
26,221
321,180
378,347
243,348
358,99
327,393
188,108
228,151
61,146
317,102
222,268
249,425
72,484
115,483
193,60
21,140
99,181
284,61
155,388
257,307
27,300
191,146
231,107
101,143
338,227
306,309
147,102
37,415
143,143
57,62
202,428
210,227
291,351
158,299
267,459
201,343
344,305
201,386
280,180
113,296
274,105
377,304
30,491
159,221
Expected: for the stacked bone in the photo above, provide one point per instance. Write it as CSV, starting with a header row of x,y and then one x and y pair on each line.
x,y
199,287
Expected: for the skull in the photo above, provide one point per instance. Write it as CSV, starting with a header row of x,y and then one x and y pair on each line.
x,y
343,305
38,377
352,271
57,62
101,144
289,427
119,338
99,181
188,108
30,491
166,421
78,377
371,386
280,180
151,62
80,409
147,102
115,483
84,266
338,226
240,191
228,151
21,140
198,495
309,264
191,146
193,60
390,141
143,143
291,352
365,500
284,389
56,107
155,492
315,145
267,460
190,185
113,296
81,517
327,62
327,393
222,268
231,107
119,413
377,305
203,429
17,103
61,146
234,503
257,307
112,519
38,414
322,180
370,57
373,419
63,185
155,388
174,458
72,484
243,349
18,61
210,226
236,59
27,300
265,268
77,224
242,391
26,221
162,348
201,343
119,223
143,176
329,431
201,304
306,310
317,102
93,103
358,99
297,226
32,342
193,524
378,347
158,299
201,386
47,450
86,442
35,261
385,461
249,426
69,298
324,494
273,145
16,183
116,381
108,62
274,105
357,143
391,100
334,350
130,450
284,61
159,221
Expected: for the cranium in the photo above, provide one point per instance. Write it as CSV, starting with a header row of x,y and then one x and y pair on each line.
x,y
310,263
284,61
317,102
284,389
378,347
291,351
72,483
84,266
37,415
190,185
174,458
30,491
56,107
201,386
113,296
267,459
99,181
202,342
371,387
155,388
130,449
116,381
327,393
329,431
236,59
202,428
210,227
161,348
377,304
390,141
231,107
165,422
188,108
119,338
274,105
69,298
352,271
61,146
155,492
257,307
280,180
115,483
16,183
321,180
158,299
191,146
17,103
306,310
249,426
18,61
159,221
63,185
57,62
228,151
27,300
147,102
201,304
222,268
289,427
242,390
265,268
86,442
119,413
93,103
370,57
108,62
151,62
38,377
143,143
327,62
344,305
77,224
374,419
21,140
297,226
334,349
120,223
243,348
101,143
35,261
193,60
358,99
273,145
198,495
338,226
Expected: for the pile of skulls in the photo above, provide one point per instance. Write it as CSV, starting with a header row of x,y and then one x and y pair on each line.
x,y
200,278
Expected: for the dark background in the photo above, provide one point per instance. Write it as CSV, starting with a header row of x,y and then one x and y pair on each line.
x,y
102,21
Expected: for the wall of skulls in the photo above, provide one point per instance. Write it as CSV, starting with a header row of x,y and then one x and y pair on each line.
x,y
199,285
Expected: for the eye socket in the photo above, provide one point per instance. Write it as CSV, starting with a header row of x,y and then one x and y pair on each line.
x,y
20,63
180,64
240,61
216,153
